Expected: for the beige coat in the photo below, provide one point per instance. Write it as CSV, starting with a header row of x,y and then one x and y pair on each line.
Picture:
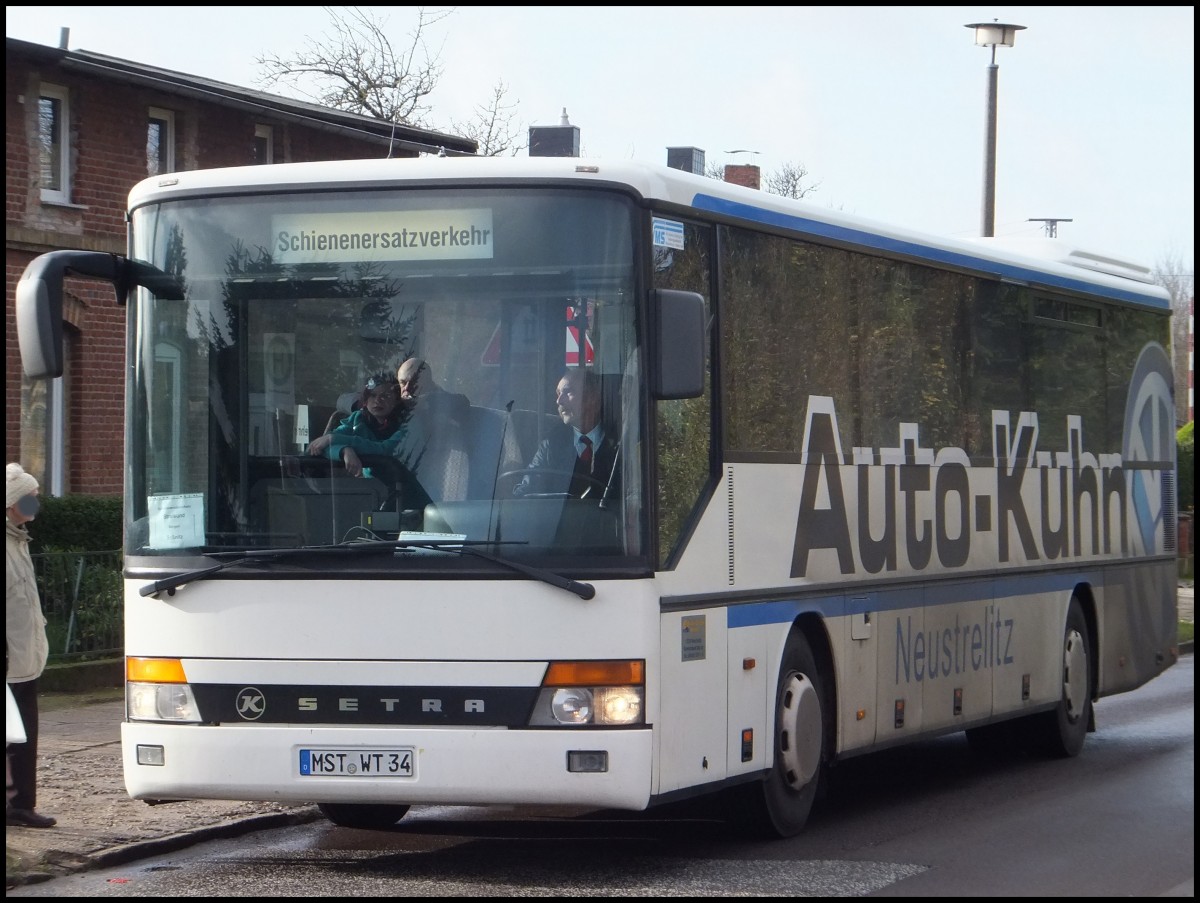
x,y
25,625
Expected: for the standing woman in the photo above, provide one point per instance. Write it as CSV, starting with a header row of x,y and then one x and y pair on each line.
x,y
26,648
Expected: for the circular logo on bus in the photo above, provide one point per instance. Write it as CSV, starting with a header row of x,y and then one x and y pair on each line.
x,y
251,703
1150,440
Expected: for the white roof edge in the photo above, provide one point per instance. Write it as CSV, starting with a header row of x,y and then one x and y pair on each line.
x,y
651,181
1070,255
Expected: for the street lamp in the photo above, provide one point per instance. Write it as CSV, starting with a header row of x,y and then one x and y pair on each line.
x,y
992,34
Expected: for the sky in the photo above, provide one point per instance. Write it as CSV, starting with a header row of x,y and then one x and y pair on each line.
x,y
885,108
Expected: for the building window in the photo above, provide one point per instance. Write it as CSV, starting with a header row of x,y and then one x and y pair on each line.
x,y
54,137
160,142
264,144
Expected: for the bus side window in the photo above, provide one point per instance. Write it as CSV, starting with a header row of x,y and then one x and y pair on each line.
x,y
684,452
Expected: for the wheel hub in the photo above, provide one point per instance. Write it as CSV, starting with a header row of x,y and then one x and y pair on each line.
x,y
799,731
1075,679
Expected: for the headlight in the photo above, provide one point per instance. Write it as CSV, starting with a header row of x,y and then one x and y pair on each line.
x,y
618,705
161,702
572,705
597,694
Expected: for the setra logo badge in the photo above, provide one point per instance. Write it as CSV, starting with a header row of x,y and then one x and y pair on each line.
x,y
251,703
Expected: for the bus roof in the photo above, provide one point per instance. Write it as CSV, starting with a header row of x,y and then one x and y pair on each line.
x,y
1037,262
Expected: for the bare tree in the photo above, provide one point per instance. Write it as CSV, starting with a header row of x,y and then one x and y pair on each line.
x,y
492,126
1181,286
788,181
355,67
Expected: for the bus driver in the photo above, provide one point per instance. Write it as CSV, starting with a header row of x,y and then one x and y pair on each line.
x,y
585,452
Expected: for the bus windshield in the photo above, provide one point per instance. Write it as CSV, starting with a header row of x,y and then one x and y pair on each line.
x,y
273,407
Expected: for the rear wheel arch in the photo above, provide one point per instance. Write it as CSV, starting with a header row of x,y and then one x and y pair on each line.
x,y
1087,601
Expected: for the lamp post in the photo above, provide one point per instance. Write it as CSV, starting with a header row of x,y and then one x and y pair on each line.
x,y
992,34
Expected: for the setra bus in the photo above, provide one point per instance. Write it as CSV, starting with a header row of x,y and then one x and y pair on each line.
x,y
869,486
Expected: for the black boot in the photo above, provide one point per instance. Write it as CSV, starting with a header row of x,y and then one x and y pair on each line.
x,y
27,818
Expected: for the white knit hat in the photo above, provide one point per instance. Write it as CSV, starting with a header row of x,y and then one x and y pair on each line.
x,y
20,484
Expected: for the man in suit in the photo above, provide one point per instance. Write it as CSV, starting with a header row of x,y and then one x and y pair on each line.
x,y
580,460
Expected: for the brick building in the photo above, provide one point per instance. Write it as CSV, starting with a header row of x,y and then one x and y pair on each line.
x,y
80,130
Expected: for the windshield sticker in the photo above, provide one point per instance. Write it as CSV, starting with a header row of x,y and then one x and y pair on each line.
x,y
668,234
411,235
176,521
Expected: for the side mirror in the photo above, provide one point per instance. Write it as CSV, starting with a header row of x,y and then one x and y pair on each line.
x,y
40,306
40,300
679,344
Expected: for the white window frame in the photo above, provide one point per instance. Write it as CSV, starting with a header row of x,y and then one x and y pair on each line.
x,y
167,139
266,132
61,194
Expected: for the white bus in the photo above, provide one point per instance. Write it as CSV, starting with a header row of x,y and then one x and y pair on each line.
x,y
869,486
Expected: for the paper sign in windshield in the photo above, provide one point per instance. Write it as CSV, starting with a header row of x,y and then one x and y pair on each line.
x,y
176,521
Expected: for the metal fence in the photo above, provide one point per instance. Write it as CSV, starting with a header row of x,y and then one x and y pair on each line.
x,y
82,596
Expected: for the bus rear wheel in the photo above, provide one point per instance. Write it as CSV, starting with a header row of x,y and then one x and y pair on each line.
x,y
368,816
1060,733
780,805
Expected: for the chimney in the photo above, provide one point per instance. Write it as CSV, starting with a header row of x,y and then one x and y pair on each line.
x,y
744,174
64,39
560,140
689,159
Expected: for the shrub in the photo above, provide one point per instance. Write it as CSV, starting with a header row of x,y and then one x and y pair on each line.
x,y
82,595
89,523
1186,465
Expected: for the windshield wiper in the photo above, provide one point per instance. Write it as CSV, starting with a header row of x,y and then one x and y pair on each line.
x,y
170,584
582,590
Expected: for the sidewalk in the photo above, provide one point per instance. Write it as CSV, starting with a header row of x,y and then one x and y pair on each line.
x,y
80,784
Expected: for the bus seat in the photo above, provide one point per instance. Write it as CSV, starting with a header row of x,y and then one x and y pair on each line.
x,y
347,403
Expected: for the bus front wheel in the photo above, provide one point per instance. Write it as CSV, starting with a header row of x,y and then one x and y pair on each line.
x,y
368,816
780,805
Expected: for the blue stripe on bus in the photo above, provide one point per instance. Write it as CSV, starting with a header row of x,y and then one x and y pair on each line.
x,y
913,249
753,614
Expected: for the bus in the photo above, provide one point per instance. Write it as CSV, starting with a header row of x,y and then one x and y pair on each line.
x,y
870,486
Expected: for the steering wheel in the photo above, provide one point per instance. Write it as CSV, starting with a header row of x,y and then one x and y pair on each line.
x,y
569,477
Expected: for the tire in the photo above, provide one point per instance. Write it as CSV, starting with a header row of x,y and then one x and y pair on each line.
x,y
1060,733
780,805
367,816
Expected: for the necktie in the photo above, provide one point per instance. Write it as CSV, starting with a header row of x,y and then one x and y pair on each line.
x,y
585,453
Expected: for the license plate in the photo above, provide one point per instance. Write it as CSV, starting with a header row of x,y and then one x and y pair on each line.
x,y
358,763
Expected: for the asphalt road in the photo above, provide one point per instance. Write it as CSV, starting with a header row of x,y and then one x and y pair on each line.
x,y
932,819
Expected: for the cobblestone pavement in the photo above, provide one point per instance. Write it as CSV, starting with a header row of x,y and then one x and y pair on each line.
x,y
80,784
